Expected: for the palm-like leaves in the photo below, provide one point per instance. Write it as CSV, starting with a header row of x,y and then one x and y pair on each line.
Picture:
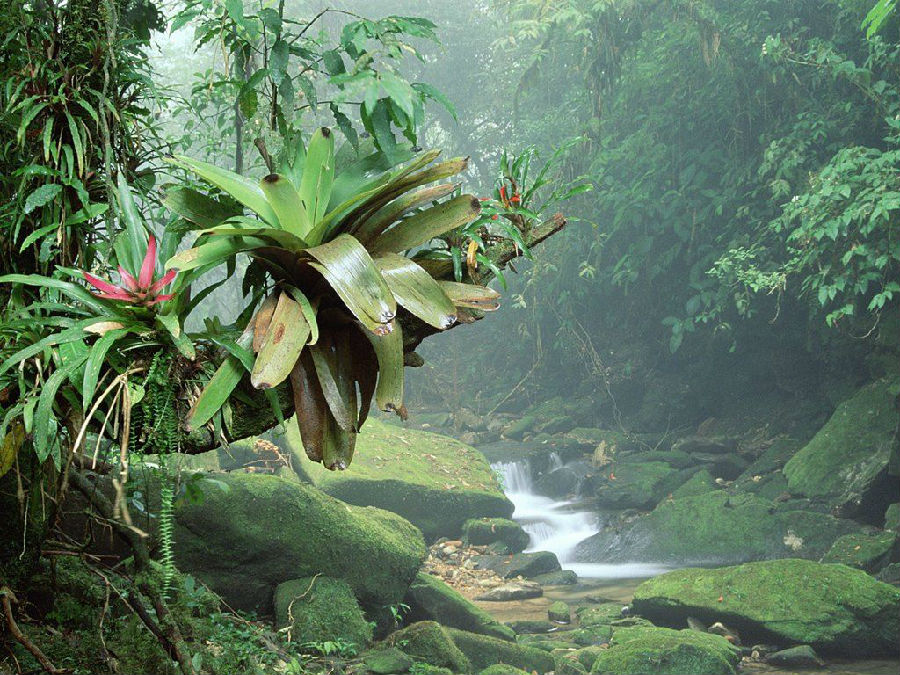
x,y
332,238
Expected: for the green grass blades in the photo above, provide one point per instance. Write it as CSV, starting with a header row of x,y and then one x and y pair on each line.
x,y
416,290
318,175
389,352
425,226
471,296
346,265
284,340
285,201
243,190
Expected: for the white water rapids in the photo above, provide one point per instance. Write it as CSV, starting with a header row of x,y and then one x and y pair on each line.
x,y
559,526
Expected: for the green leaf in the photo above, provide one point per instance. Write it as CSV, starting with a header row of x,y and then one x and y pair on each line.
x,y
95,361
318,175
436,95
281,347
353,276
425,226
335,377
417,291
214,252
471,296
286,202
130,244
182,342
243,190
75,133
41,197
198,208
215,393
42,441
73,291
379,221
389,352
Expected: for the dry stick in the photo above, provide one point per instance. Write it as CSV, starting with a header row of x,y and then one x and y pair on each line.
x,y
6,595
167,633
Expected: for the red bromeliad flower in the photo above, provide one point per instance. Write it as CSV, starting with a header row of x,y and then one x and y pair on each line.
x,y
141,291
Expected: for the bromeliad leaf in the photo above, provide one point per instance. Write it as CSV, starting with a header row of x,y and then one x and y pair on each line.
x,y
346,265
389,352
425,226
284,340
197,208
471,295
318,175
286,202
216,392
416,290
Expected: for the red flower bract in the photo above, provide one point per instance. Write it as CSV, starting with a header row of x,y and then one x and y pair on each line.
x,y
142,291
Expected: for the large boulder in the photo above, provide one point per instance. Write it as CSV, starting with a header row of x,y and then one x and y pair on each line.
x,y
260,530
716,527
869,551
636,486
320,609
833,608
427,641
483,651
435,482
519,565
847,461
662,651
484,531
429,598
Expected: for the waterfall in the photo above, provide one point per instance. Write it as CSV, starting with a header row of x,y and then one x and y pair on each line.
x,y
558,526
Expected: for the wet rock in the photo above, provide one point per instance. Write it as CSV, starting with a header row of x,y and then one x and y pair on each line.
x,y
531,627
520,427
636,486
892,517
599,615
320,609
483,651
801,656
784,601
591,637
699,483
386,660
519,565
514,590
484,531
429,642
726,467
429,598
559,612
890,574
560,482
659,651
865,551
718,628
561,578
701,444
847,461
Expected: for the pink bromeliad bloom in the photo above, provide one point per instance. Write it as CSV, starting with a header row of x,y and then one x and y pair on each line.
x,y
142,291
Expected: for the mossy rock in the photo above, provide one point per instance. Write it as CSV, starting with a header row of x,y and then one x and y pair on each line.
x,y
599,615
864,551
847,461
662,651
320,609
699,484
435,482
559,612
429,642
892,517
483,651
386,660
674,458
548,645
484,531
519,565
531,626
591,636
636,486
520,427
503,669
560,578
833,608
262,530
718,527
583,660
429,598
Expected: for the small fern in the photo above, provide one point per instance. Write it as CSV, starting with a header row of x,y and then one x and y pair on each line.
x,y
167,533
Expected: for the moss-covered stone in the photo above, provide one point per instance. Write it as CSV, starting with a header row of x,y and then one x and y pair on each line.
x,y
263,530
833,608
519,565
429,642
699,484
559,612
587,656
718,527
560,578
599,615
429,598
320,609
484,531
386,661
864,551
483,651
503,669
517,429
435,482
530,626
892,517
591,636
674,458
846,462
662,651
636,486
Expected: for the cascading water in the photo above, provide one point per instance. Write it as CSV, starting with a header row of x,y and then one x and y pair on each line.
x,y
559,526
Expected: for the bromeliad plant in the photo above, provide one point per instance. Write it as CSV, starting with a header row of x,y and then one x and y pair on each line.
x,y
334,232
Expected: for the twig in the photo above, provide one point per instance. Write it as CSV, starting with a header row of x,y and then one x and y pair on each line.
x,y
6,595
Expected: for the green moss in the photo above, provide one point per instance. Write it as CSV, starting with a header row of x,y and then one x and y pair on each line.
x,y
636,486
559,612
483,531
651,651
853,447
426,640
503,669
892,517
483,651
435,482
263,530
833,608
386,661
430,598
698,484
599,615
320,609
592,636
863,551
